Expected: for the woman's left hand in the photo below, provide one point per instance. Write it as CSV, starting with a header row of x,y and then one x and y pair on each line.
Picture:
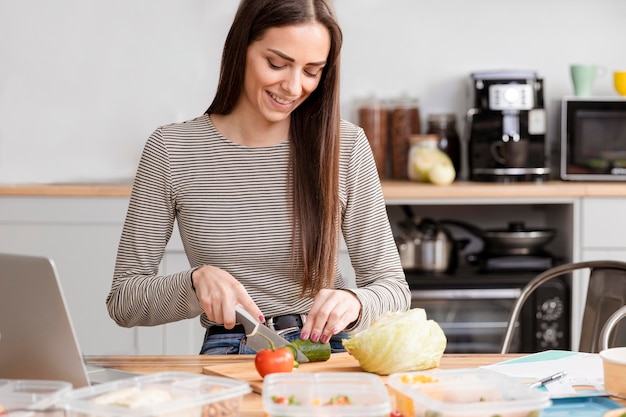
x,y
332,311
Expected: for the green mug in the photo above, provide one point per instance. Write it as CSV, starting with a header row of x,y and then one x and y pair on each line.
x,y
583,77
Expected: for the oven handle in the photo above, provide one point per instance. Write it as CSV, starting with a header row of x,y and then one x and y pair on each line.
x,y
475,294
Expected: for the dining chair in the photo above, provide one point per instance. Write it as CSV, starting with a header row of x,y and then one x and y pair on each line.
x,y
610,326
606,294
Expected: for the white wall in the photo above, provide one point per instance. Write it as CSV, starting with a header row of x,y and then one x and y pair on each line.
x,y
84,82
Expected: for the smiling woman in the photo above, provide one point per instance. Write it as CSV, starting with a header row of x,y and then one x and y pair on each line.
x,y
282,69
262,186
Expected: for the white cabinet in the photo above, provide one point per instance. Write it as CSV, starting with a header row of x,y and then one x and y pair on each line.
x,y
603,229
81,236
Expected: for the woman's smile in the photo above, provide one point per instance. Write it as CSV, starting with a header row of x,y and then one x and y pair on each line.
x,y
281,101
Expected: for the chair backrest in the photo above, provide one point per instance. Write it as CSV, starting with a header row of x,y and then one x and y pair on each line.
x,y
606,293
609,327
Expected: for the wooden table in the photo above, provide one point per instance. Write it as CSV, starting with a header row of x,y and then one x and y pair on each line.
x,y
252,404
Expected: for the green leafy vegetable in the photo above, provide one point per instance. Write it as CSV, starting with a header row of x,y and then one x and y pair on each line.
x,y
398,342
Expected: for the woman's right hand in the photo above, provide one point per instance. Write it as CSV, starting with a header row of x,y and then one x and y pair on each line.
x,y
219,292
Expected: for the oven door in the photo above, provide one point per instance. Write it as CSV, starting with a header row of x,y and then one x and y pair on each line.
x,y
473,320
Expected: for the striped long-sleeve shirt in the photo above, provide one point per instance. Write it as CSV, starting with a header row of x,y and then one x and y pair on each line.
x,y
232,207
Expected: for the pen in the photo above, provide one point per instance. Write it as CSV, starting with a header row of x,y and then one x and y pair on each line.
x,y
550,378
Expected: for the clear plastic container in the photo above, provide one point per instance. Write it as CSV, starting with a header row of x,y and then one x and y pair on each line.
x,y
160,394
472,392
328,394
26,395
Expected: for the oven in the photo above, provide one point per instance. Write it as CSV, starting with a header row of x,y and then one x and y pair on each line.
x,y
473,309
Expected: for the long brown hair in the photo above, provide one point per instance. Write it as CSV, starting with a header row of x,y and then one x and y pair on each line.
x,y
314,130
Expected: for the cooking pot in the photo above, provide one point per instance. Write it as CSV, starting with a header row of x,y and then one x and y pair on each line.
x,y
425,245
516,239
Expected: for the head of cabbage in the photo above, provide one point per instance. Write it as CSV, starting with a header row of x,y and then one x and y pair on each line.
x,y
398,342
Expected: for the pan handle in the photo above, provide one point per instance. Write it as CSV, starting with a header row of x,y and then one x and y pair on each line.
x,y
476,231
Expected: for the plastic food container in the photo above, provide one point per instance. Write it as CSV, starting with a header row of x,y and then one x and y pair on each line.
x,y
614,368
328,394
474,392
26,395
160,394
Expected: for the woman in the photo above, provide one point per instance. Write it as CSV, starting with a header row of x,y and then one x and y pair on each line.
x,y
261,185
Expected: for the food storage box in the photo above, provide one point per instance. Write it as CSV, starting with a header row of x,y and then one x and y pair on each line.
x,y
161,394
474,392
19,397
328,394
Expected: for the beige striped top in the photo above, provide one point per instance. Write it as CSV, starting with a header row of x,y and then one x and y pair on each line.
x,y
232,208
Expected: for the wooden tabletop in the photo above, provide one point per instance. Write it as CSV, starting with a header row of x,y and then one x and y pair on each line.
x,y
252,405
392,189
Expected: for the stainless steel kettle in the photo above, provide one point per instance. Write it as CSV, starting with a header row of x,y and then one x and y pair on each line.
x,y
424,245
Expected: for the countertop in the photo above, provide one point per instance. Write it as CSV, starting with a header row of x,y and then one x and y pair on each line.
x,y
252,405
392,189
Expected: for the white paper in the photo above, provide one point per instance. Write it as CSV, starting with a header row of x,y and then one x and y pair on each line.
x,y
585,375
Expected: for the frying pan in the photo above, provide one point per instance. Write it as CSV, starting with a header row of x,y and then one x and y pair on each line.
x,y
516,239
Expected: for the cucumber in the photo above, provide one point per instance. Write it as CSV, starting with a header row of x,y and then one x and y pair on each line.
x,y
314,351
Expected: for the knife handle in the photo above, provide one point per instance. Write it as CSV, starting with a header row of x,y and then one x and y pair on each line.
x,y
244,318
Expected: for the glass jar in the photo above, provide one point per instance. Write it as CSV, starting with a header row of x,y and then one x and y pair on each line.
x,y
417,142
444,126
373,119
404,121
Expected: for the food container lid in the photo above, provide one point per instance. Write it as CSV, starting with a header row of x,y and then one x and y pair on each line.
x,y
468,392
31,394
328,394
154,394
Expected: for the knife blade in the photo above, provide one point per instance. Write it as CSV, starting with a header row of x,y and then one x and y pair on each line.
x,y
255,332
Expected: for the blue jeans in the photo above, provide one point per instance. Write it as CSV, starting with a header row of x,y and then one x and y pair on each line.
x,y
234,343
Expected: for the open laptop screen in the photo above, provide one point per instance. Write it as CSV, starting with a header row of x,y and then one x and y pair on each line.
x,y
37,339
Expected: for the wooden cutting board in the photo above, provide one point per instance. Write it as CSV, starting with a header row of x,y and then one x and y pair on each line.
x,y
338,362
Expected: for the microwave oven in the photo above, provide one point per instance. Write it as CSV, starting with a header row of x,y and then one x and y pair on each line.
x,y
593,139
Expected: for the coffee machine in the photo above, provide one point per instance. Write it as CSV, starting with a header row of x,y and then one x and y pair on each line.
x,y
506,127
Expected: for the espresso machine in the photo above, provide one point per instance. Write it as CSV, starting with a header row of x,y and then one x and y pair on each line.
x,y
505,130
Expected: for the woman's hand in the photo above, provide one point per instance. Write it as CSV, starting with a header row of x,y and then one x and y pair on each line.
x,y
332,311
219,292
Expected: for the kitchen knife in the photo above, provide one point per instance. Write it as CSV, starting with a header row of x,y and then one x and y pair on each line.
x,y
255,332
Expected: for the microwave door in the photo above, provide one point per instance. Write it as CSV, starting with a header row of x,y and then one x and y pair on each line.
x,y
594,140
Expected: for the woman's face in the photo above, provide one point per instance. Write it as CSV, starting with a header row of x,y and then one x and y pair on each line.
x,y
282,69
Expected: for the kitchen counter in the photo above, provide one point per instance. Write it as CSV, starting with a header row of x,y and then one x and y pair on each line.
x,y
393,190
252,405
65,190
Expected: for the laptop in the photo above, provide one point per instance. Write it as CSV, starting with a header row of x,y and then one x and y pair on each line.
x,y
37,338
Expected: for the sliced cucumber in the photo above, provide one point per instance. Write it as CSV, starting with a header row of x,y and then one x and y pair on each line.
x,y
315,351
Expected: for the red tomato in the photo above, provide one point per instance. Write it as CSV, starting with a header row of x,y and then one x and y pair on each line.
x,y
269,361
